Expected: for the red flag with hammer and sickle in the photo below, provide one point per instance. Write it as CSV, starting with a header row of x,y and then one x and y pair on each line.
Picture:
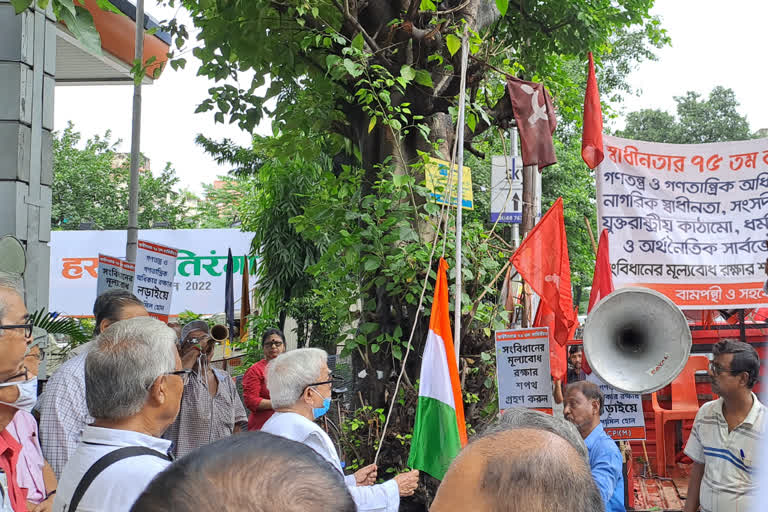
x,y
536,121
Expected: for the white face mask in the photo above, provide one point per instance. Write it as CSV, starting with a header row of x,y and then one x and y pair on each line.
x,y
27,394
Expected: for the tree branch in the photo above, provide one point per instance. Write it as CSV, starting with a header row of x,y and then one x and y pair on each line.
x,y
353,21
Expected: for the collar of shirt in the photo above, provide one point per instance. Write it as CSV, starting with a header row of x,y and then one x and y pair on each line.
x,y
594,436
9,457
751,416
120,438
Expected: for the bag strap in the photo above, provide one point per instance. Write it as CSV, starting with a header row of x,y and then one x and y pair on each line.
x,y
102,464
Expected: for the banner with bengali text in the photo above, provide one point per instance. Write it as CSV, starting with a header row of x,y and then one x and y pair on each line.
x,y
687,220
200,266
522,368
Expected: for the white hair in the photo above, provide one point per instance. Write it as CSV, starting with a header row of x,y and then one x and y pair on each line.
x,y
13,283
289,374
124,362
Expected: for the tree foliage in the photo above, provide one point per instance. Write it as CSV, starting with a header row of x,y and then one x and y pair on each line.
x,y
90,185
698,120
361,94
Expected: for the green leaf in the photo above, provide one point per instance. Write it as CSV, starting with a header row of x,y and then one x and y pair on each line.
x,y
353,68
369,327
502,6
69,5
82,27
358,42
427,5
423,77
371,124
471,121
21,5
453,43
398,332
397,352
106,5
407,72
374,348
485,356
372,263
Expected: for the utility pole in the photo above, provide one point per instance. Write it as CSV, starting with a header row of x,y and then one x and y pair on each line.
x,y
528,221
133,188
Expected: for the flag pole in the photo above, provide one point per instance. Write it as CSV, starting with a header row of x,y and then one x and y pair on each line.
x,y
459,195
132,238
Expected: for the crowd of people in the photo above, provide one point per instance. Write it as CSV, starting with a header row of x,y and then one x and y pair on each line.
x,y
139,420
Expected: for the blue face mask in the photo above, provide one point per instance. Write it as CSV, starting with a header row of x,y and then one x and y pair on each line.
x,y
320,411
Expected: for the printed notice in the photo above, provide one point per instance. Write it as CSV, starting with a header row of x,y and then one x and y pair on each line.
x,y
522,368
155,272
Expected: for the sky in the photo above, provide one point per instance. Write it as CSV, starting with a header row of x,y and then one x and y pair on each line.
x,y
713,43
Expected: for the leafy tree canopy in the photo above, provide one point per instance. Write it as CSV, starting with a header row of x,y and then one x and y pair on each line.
x,y
90,184
698,120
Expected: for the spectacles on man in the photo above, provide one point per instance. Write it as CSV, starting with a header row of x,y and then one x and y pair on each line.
x,y
332,379
184,374
27,328
717,369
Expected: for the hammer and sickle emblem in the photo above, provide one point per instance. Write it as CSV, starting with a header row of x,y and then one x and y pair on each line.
x,y
539,111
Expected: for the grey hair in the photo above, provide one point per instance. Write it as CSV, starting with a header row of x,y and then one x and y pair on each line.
x,y
14,283
520,417
125,361
289,374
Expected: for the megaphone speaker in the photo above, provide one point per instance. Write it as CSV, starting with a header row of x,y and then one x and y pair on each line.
x,y
637,340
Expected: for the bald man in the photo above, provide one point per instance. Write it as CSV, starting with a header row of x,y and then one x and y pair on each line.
x,y
526,470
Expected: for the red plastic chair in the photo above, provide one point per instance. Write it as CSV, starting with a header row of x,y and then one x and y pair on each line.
x,y
685,405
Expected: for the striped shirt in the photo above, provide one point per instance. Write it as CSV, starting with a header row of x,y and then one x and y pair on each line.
x,y
728,457
63,412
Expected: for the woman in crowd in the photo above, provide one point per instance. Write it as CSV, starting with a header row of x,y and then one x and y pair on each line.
x,y
300,386
255,391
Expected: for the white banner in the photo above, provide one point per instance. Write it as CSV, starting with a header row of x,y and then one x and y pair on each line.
x,y
155,271
199,283
114,273
690,221
522,368
622,416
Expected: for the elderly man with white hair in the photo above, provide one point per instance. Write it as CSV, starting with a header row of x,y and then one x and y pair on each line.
x,y
299,384
133,386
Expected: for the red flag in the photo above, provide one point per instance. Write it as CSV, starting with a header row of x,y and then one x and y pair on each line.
x,y
558,358
536,121
592,136
602,282
542,260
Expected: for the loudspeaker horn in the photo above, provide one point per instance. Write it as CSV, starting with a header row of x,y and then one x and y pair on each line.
x,y
219,332
13,258
637,340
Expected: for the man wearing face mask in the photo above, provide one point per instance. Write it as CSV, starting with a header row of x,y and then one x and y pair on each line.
x,y
17,392
299,385
211,408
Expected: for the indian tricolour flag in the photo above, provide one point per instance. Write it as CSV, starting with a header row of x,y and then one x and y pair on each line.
x,y
439,431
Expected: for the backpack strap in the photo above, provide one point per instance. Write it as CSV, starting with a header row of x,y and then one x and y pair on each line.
x,y
103,463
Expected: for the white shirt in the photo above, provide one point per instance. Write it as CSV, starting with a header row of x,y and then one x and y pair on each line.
x,y
729,458
119,485
374,498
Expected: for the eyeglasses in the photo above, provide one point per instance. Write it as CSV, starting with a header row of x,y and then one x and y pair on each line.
x,y
184,374
334,378
271,344
27,328
717,369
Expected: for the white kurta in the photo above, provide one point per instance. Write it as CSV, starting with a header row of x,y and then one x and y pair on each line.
x,y
375,498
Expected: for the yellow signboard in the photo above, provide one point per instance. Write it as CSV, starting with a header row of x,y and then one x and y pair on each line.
x,y
436,173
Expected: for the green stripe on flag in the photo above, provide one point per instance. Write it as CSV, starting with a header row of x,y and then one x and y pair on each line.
x,y
435,441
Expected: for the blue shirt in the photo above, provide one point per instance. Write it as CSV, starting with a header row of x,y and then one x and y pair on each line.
x,y
606,464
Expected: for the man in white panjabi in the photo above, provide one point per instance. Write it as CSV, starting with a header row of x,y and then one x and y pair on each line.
x,y
299,384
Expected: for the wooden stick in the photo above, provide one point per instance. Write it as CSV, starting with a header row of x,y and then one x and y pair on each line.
x,y
647,460
591,235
